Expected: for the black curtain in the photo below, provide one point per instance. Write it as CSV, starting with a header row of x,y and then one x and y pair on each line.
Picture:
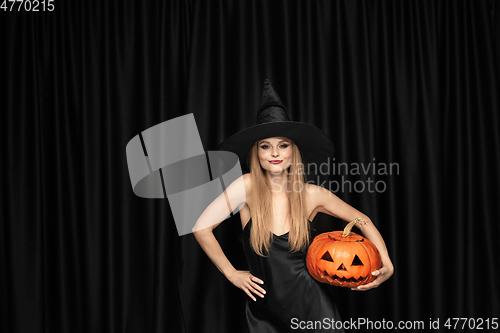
x,y
412,83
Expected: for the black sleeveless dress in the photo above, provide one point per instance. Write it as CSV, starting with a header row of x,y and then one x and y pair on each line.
x,y
294,300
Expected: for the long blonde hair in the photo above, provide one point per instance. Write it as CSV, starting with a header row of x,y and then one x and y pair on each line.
x,y
262,209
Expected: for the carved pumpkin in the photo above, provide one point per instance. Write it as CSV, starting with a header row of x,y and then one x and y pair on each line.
x,y
343,259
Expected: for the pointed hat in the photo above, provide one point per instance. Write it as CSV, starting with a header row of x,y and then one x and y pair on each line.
x,y
273,120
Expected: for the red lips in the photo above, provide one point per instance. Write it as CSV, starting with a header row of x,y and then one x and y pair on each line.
x,y
276,161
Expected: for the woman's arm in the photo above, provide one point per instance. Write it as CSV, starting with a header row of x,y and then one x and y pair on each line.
x,y
217,211
369,230
330,203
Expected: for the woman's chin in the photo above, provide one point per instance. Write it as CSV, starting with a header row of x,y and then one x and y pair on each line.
x,y
277,169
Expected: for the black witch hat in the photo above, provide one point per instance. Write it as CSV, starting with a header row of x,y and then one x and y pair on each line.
x,y
273,121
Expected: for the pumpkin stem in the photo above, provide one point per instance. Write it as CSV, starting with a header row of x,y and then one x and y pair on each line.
x,y
348,227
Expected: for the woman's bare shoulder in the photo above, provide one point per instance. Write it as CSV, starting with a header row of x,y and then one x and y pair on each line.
x,y
245,213
312,191
316,195
315,190
247,178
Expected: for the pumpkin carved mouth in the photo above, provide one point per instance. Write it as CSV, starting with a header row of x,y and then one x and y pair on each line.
x,y
340,280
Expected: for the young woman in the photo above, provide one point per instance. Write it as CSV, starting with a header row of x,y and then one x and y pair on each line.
x,y
277,206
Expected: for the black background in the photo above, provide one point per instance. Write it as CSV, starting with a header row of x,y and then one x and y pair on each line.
x,y
409,82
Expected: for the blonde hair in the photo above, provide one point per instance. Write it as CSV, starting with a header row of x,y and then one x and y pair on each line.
x,y
262,209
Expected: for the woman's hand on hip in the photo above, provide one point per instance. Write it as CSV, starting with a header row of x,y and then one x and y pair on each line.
x,y
248,283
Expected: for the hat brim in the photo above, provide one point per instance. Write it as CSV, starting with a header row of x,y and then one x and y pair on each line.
x,y
313,143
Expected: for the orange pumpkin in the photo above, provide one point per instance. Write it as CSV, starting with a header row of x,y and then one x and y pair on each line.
x,y
343,259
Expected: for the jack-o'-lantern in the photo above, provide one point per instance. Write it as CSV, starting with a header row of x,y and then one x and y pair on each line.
x,y
343,259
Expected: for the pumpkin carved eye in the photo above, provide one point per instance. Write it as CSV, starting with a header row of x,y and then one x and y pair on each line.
x,y
326,256
357,262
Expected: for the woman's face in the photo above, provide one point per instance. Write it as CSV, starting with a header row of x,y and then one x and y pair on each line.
x,y
275,154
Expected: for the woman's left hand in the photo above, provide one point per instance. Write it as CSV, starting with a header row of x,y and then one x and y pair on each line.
x,y
381,275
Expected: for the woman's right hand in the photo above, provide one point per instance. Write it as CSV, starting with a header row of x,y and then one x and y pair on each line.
x,y
248,283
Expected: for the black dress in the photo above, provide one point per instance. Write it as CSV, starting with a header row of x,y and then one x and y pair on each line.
x,y
294,300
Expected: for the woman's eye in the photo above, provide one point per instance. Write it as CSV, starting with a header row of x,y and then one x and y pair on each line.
x,y
283,146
